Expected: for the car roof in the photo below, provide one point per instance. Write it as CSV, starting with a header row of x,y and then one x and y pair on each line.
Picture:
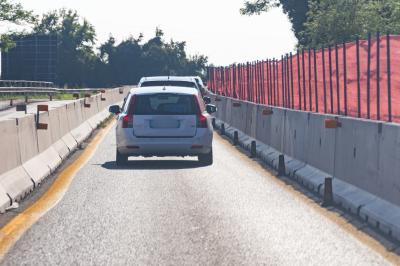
x,y
162,78
199,79
164,89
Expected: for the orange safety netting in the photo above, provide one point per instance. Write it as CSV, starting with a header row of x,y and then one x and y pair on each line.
x,y
332,80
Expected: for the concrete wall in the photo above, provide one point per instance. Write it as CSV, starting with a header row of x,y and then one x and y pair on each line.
x,y
28,155
363,153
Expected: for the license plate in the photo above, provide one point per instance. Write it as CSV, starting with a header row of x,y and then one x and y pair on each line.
x,y
164,124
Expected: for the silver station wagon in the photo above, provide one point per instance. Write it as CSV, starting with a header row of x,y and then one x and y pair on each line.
x,y
164,121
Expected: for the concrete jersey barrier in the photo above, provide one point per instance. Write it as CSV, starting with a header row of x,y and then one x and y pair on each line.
x,y
29,155
361,155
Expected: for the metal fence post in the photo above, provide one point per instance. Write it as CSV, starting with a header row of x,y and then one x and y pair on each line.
x,y
316,80
274,80
330,78
304,83
277,82
283,81
345,78
369,78
378,70
298,78
289,100
324,77
358,76
291,78
389,82
309,81
337,79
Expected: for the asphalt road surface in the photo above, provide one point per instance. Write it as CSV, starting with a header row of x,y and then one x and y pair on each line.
x,y
172,211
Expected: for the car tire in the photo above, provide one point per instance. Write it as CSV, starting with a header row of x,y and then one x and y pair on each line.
x,y
121,159
206,159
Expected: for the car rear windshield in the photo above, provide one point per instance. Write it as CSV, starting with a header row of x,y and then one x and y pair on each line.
x,y
168,83
165,104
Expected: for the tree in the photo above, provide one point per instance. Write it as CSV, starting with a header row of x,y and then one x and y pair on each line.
x,y
295,9
335,21
319,23
14,14
80,64
132,59
76,37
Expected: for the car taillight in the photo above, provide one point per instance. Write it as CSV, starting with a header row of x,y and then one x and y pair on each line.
x,y
201,119
127,121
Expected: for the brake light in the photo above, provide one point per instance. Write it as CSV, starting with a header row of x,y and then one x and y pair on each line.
x,y
127,120
201,119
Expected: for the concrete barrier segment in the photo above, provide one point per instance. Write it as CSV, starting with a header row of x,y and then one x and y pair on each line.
x,y
61,148
37,169
383,216
51,158
16,183
388,165
357,156
82,132
350,197
70,142
10,149
44,137
5,200
30,155
361,155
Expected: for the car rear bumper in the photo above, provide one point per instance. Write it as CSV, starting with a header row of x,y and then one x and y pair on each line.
x,y
162,150
130,145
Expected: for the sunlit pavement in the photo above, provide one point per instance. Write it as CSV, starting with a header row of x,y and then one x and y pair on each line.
x,y
174,211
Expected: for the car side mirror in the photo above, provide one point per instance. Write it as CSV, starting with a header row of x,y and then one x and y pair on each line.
x,y
207,100
115,109
211,108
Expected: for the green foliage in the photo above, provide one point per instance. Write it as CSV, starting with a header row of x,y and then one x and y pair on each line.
x,y
295,9
115,64
14,14
79,64
335,21
319,23
131,59
76,37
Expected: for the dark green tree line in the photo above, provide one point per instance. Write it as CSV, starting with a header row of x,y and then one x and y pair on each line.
x,y
80,63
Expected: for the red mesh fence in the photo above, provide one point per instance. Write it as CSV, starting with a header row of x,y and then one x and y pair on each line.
x,y
359,79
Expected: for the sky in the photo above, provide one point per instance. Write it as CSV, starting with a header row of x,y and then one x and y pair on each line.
x,y
214,28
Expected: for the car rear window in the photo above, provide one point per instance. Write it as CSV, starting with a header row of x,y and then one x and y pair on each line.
x,y
165,104
168,83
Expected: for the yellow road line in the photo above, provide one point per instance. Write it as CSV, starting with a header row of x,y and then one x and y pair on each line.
x,y
334,217
13,231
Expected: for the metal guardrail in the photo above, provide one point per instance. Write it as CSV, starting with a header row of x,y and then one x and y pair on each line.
x,y
21,90
11,96
25,83
11,99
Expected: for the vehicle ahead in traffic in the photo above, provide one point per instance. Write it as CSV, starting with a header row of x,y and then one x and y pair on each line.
x,y
200,84
164,121
174,81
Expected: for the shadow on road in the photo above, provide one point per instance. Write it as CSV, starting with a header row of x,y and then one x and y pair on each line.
x,y
153,165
